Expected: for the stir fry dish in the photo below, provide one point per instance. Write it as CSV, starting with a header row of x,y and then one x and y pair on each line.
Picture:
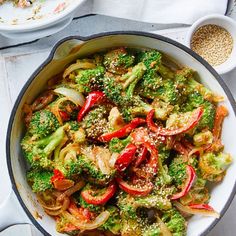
x,y
125,143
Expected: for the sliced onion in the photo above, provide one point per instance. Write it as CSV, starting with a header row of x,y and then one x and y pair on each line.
x,y
113,159
64,207
164,229
76,97
189,210
97,222
78,65
71,190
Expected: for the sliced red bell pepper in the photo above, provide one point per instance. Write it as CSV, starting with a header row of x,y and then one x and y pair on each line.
x,y
58,175
201,207
92,98
141,157
135,190
126,157
188,184
91,197
124,131
153,161
196,116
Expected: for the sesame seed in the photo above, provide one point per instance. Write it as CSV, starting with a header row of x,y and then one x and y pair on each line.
x,y
213,43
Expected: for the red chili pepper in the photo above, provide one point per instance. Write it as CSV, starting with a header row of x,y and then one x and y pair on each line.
x,y
134,190
141,157
153,162
188,184
123,131
64,115
92,98
196,116
58,175
201,207
89,195
126,157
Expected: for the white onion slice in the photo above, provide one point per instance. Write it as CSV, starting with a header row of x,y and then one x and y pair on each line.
x,y
76,97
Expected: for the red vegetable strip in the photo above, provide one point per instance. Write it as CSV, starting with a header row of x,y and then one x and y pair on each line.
x,y
153,162
221,113
123,131
188,184
92,98
126,157
58,175
89,195
141,157
201,207
193,121
134,190
64,115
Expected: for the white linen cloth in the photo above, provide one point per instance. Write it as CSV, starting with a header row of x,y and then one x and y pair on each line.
x,y
159,11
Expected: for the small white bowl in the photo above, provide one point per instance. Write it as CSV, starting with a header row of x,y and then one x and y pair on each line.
x,y
226,23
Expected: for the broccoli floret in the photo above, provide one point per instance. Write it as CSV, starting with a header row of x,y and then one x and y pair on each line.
x,y
213,166
73,125
113,90
152,230
117,145
150,58
177,170
91,170
90,79
175,222
130,79
95,123
40,180
186,80
137,107
113,223
43,123
195,100
38,152
118,60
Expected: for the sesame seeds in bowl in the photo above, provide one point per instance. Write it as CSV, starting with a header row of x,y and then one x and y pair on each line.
x,y
213,38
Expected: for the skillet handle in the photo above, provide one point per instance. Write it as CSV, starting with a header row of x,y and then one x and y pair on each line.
x,y
11,212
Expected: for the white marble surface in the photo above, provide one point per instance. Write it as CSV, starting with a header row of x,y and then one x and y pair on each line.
x,y
15,69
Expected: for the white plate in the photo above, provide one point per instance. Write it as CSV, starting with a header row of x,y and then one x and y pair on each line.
x,y
52,15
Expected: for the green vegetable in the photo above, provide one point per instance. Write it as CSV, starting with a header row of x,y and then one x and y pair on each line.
x,y
152,230
113,224
117,145
94,174
90,79
40,180
177,170
43,123
175,222
38,152
95,123
195,100
118,60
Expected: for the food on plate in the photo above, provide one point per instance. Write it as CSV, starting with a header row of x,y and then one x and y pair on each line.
x,y
125,143
20,3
